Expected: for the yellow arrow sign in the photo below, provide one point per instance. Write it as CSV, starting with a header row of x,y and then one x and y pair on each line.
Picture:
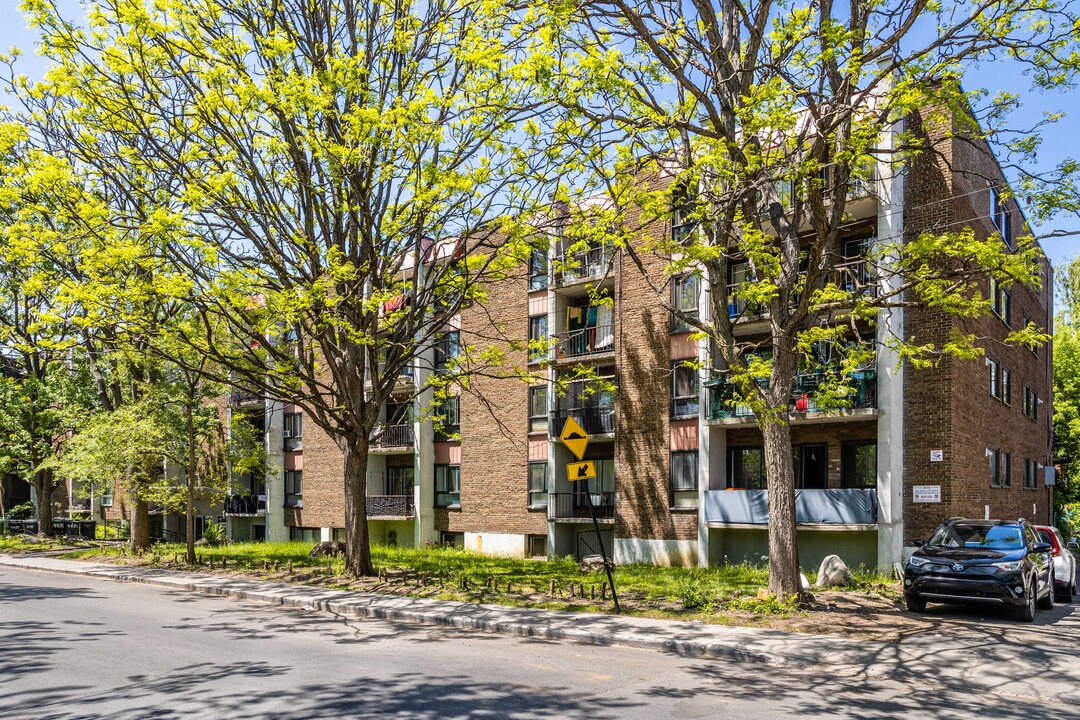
x,y
574,437
585,470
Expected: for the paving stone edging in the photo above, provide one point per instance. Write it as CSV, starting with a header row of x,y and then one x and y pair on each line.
x,y
523,622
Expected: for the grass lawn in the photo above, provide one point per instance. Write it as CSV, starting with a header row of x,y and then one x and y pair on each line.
x,y
451,573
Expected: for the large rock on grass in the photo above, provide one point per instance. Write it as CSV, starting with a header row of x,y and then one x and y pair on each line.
x,y
331,548
833,573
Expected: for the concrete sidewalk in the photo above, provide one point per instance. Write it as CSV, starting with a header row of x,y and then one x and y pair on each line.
x,y
983,658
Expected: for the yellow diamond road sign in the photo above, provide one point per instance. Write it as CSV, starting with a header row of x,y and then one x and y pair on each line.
x,y
574,437
581,471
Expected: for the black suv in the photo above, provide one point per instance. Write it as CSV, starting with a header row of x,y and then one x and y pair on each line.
x,y
1001,562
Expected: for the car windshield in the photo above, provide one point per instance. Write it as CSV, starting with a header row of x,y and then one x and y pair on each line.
x,y
988,537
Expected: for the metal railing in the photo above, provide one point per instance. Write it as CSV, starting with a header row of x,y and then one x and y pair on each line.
x,y
576,267
244,397
863,395
573,505
393,436
854,277
390,506
594,420
585,341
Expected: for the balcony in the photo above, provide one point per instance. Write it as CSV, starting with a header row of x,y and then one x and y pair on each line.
x,y
594,420
239,398
386,437
583,342
574,506
578,267
854,277
722,405
245,505
841,506
390,506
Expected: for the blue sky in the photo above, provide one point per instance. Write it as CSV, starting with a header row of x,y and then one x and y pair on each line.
x,y
1060,140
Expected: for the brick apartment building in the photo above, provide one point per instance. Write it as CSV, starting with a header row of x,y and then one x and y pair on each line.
x,y
680,473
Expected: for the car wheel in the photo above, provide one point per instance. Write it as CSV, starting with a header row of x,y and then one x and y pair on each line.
x,y
1065,594
1047,603
1026,612
915,604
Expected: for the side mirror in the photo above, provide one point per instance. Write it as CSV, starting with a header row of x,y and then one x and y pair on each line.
x,y
1073,546
1042,547
918,543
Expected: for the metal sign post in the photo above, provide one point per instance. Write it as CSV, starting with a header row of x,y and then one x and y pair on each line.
x,y
576,440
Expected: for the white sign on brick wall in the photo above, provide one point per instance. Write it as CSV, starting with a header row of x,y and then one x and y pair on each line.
x,y
937,455
926,493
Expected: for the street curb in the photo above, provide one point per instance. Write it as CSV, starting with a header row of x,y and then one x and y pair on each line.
x,y
367,605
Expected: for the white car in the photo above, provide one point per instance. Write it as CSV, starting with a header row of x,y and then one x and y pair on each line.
x,y
1064,562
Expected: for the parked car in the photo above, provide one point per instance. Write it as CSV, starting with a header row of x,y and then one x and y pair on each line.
x,y
998,562
1064,563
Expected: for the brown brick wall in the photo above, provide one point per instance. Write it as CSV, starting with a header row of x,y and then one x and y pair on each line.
x,y
494,421
950,407
324,482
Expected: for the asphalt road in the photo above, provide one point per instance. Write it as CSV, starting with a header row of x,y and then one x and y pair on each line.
x,y
76,647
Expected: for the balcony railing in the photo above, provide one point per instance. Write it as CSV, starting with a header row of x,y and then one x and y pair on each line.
x,y
854,277
577,267
393,436
573,505
245,505
244,397
585,341
722,404
839,506
594,420
396,506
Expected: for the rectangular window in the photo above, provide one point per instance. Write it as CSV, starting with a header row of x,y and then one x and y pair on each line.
x,y
447,485
684,298
538,484
1006,386
1034,348
452,539
293,431
739,274
538,408
1030,474
294,488
538,269
1006,470
746,468
684,479
1031,403
682,226
447,348
995,387
106,496
537,545
995,467
538,338
858,464
447,418
305,534
1000,301
685,391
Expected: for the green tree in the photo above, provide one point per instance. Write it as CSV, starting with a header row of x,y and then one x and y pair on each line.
x,y
1067,385
756,122
336,178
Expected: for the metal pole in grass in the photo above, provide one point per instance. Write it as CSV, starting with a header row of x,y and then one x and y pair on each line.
x,y
603,552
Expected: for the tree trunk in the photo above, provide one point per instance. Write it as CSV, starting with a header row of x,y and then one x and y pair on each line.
x,y
140,523
191,468
43,487
357,542
780,480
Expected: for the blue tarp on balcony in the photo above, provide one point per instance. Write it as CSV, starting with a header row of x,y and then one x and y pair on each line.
x,y
841,506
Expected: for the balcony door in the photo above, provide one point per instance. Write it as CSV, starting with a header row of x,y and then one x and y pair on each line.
x,y
399,481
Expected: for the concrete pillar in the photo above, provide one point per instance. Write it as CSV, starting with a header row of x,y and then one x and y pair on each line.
x,y
275,472
890,371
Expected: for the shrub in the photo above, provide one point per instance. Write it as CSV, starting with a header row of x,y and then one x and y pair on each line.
x,y
694,594
21,512
214,534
